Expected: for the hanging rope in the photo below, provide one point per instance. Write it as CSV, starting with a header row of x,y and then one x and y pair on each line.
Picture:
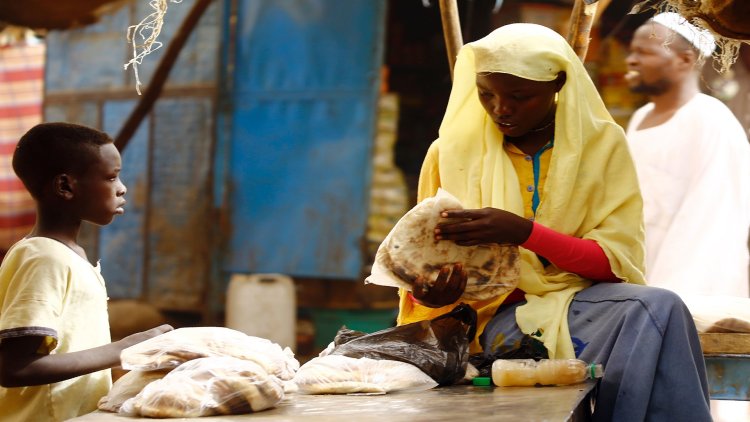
x,y
148,31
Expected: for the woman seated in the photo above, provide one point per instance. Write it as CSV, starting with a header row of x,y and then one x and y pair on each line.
x,y
528,147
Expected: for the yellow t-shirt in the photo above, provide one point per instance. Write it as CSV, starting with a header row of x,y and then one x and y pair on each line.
x,y
48,290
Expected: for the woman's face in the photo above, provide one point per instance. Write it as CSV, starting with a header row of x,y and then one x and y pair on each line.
x,y
517,105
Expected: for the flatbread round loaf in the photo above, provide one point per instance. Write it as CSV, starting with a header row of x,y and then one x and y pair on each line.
x,y
411,251
126,387
208,386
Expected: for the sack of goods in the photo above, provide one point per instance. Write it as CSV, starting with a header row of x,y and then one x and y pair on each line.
x,y
410,251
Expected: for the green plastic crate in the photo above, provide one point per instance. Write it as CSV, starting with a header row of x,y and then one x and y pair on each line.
x,y
329,321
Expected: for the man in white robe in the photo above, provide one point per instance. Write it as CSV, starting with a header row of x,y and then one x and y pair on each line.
x,y
693,163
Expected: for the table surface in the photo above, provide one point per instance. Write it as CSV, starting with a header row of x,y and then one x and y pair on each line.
x,y
456,403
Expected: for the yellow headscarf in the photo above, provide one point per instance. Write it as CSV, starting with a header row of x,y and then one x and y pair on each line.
x,y
591,190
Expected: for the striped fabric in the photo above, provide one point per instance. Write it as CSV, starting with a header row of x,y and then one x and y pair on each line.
x,y
21,91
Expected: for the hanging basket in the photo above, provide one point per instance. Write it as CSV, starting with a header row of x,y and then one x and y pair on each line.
x,y
728,18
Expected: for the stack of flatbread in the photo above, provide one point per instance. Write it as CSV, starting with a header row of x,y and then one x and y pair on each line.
x,y
410,251
201,371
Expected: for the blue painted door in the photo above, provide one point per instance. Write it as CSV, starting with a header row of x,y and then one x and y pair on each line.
x,y
295,137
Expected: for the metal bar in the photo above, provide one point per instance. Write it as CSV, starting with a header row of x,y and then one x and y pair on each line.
x,y
728,376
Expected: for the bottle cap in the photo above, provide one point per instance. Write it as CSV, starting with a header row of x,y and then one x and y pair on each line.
x,y
595,371
482,381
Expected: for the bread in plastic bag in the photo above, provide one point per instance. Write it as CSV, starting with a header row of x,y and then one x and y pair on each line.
x,y
127,386
438,347
719,314
335,374
208,386
411,251
173,348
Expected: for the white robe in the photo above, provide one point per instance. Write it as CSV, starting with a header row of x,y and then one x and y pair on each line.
x,y
694,172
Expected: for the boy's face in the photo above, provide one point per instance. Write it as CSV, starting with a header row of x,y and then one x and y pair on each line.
x,y
99,191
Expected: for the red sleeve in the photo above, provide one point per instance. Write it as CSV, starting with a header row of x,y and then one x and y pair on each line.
x,y
581,256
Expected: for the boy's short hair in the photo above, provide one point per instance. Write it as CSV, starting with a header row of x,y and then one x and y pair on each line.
x,y
50,149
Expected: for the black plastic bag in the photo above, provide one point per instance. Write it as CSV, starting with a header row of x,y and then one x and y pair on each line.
x,y
439,347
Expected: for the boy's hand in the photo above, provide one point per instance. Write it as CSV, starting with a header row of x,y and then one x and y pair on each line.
x,y
448,287
21,365
145,335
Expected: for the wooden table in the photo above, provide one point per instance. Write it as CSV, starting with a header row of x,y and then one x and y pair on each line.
x,y
456,404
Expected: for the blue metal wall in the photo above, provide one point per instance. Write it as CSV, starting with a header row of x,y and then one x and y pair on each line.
x,y
302,114
256,158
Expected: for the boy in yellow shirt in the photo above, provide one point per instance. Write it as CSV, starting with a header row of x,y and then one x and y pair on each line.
x,y
55,348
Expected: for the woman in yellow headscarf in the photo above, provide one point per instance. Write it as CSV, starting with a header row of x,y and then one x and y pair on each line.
x,y
528,147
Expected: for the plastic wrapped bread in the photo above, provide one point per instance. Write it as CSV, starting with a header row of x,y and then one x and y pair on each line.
x,y
719,314
411,251
173,348
336,374
205,387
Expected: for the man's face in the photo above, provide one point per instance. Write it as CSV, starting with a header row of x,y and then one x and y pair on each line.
x,y
99,191
651,63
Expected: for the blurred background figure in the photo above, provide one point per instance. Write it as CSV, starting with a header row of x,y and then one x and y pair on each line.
x,y
692,158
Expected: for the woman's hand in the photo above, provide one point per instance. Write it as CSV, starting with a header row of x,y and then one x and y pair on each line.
x,y
482,226
448,287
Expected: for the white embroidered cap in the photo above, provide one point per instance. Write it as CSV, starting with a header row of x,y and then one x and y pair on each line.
x,y
700,38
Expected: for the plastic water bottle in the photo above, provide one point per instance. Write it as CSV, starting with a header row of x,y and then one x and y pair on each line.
x,y
528,372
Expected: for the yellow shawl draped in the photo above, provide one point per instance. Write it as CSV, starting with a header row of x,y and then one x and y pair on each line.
x,y
591,190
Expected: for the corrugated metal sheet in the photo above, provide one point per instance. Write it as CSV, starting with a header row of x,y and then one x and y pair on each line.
x,y
302,122
124,271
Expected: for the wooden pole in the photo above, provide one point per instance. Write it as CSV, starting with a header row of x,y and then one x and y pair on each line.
x,y
156,83
451,30
581,20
